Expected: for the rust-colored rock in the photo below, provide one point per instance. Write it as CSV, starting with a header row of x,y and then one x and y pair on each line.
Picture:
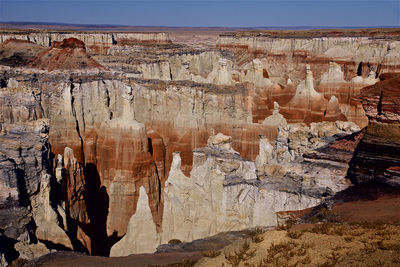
x,y
69,54
17,53
379,149
69,43
382,100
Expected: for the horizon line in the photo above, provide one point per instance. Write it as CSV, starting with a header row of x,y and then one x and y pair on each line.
x,y
188,26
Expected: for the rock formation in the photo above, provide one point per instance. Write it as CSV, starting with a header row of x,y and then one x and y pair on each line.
x,y
307,104
17,53
96,42
378,150
256,74
129,141
134,241
225,192
67,54
276,119
25,214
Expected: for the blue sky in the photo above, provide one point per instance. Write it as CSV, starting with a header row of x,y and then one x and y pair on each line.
x,y
226,13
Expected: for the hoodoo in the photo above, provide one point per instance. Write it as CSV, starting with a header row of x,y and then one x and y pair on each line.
x,y
307,104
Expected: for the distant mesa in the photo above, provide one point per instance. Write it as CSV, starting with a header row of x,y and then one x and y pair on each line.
x,y
18,53
69,54
69,43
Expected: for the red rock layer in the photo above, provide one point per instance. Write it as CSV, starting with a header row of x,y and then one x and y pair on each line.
x,y
68,43
69,54
294,62
115,162
381,101
264,98
379,149
127,166
245,141
15,53
349,143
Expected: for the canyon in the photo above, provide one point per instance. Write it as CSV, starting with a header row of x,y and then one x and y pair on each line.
x,y
117,143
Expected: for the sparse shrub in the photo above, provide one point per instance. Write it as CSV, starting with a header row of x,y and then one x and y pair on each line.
x,y
333,258
369,248
324,215
348,239
257,238
258,231
256,235
386,233
302,251
243,254
321,229
339,230
376,225
387,246
279,248
18,262
211,253
306,260
174,241
288,225
185,263
293,234
396,260
281,254
357,232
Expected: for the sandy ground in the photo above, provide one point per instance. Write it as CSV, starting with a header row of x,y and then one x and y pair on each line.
x,y
373,244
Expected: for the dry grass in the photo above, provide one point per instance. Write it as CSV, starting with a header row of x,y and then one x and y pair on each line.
x,y
288,225
211,253
327,244
18,263
185,263
293,234
174,241
257,235
243,254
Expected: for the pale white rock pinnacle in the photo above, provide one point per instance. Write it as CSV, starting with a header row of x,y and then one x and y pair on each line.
x,y
144,241
334,74
266,152
255,75
276,119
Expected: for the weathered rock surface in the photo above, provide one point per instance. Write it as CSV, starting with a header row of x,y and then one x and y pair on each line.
x,y
226,192
107,165
17,53
27,214
276,119
96,42
135,242
68,54
378,150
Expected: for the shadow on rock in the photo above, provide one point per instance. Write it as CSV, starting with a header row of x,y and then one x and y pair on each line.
x,y
97,203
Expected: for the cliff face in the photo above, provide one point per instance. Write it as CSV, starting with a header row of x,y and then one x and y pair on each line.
x,y
341,66
92,117
378,151
227,192
97,43
163,141
27,214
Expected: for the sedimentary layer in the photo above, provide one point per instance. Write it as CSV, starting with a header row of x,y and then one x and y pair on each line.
x,y
131,130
